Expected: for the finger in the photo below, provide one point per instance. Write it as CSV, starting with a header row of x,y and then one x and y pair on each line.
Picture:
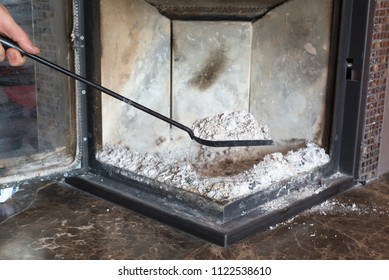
x,y
2,53
15,58
21,38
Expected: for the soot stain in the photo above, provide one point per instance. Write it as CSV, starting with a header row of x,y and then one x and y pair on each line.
x,y
211,70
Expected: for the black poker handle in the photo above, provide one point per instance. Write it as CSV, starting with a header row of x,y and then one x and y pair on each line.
x,y
10,44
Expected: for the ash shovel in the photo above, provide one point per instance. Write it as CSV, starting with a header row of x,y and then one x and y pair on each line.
x,y
7,43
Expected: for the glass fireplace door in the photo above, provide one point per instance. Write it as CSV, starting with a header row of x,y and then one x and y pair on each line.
x,y
38,107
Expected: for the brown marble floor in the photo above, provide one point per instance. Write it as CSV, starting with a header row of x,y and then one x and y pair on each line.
x,y
56,221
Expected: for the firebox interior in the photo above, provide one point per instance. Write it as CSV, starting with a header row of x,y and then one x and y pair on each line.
x,y
189,69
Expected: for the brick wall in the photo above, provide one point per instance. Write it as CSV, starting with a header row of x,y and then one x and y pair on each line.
x,y
384,154
376,93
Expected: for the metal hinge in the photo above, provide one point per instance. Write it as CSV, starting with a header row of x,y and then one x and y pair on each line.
x,y
78,41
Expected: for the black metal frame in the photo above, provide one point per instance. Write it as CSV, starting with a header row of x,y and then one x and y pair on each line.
x,y
221,223
355,44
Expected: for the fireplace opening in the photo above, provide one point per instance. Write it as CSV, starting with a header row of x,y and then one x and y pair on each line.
x,y
274,66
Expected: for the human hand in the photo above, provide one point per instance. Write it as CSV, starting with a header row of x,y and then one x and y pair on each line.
x,y
11,29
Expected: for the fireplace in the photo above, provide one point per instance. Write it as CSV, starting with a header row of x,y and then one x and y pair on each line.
x,y
309,72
